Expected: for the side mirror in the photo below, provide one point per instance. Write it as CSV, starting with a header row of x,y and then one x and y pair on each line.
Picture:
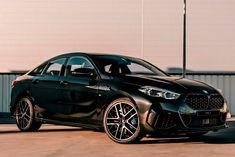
x,y
84,72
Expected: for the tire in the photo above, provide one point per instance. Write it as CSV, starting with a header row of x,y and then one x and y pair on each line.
x,y
25,119
121,121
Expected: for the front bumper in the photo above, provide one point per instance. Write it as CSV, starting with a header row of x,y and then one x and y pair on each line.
x,y
180,118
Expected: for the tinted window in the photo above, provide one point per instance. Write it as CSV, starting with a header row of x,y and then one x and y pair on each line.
x,y
38,70
125,65
77,65
54,67
138,68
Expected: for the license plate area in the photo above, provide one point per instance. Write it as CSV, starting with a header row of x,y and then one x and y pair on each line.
x,y
208,113
209,121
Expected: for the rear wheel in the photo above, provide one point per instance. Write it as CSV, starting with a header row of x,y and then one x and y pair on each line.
x,y
121,121
25,119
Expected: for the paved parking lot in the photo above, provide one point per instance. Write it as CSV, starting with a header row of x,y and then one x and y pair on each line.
x,y
56,141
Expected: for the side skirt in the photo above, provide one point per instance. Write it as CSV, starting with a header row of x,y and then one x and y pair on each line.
x,y
87,126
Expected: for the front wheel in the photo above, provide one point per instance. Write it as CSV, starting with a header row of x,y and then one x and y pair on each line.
x,y
121,121
25,119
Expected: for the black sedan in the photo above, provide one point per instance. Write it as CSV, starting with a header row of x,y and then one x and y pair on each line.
x,y
127,97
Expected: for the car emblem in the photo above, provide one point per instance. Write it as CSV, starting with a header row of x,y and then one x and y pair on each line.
x,y
204,91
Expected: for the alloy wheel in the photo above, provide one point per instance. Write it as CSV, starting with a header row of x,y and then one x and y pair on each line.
x,y
23,114
122,121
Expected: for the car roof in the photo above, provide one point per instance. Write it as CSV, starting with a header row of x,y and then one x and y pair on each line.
x,y
71,54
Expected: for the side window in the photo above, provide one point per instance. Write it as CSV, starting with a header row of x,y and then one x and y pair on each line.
x,y
38,70
107,68
54,67
77,66
137,68
117,69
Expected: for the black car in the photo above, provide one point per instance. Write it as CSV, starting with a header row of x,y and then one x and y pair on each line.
x,y
127,97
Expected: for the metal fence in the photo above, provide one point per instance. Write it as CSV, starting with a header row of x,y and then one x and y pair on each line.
x,y
5,91
223,81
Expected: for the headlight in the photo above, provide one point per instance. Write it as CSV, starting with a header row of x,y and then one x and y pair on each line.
x,y
160,93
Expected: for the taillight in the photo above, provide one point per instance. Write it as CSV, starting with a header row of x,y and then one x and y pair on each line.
x,y
14,82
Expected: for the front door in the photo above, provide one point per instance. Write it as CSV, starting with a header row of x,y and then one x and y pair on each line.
x,y
78,90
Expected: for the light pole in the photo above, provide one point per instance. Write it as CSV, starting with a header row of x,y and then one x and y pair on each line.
x,y
184,40
142,29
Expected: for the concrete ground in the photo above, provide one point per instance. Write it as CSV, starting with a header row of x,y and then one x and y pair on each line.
x,y
58,141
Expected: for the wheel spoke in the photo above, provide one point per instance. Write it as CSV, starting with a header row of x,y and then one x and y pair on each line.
x,y
20,117
129,131
112,121
121,110
112,124
20,107
27,109
27,120
132,126
27,116
22,122
25,106
117,113
117,130
114,131
129,112
131,116
121,134
19,114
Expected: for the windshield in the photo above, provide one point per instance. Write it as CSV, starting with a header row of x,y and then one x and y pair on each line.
x,y
126,65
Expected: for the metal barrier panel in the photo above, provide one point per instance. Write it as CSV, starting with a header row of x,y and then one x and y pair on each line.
x,y
5,91
224,82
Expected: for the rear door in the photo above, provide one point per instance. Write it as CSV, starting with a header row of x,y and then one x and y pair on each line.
x,y
44,87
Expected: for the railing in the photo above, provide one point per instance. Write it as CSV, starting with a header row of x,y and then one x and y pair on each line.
x,y
223,81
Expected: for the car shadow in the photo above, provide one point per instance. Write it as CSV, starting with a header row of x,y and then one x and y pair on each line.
x,y
226,136
44,130
208,140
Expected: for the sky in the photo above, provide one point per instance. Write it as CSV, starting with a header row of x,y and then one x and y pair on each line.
x,y
32,31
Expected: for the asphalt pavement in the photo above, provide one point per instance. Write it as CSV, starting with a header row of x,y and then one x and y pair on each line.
x,y
63,141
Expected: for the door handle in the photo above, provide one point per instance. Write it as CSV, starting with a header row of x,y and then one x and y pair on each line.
x,y
64,83
36,81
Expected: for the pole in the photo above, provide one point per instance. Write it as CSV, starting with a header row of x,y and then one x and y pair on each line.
x,y
142,29
184,40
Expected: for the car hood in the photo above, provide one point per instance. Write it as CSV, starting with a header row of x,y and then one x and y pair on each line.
x,y
176,84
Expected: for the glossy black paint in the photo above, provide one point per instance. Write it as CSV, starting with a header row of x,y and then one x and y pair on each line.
x,y
81,101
